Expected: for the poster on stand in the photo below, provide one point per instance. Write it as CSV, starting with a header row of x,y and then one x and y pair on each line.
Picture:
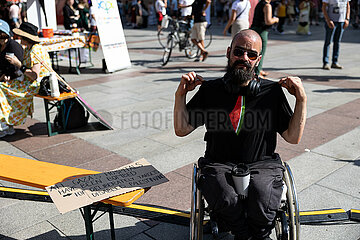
x,y
112,38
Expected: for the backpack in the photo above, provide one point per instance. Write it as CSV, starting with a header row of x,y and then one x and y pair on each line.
x,y
45,90
74,114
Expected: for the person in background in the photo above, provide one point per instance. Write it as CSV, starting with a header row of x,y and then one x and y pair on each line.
x,y
185,9
337,17
93,26
262,21
145,15
152,15
227,10
239,19
71,15
198,30
220,10
174,9
9,47
16,96
14,15
281,14
83,7
314,12
160,8
290,11
304,18
138,12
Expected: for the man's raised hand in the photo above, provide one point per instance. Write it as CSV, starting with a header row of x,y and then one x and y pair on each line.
x,y
188,83
294,87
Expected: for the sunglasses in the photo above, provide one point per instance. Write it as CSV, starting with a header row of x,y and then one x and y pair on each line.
x,y
239,52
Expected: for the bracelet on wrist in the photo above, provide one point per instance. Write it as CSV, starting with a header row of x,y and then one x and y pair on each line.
x,y
23,68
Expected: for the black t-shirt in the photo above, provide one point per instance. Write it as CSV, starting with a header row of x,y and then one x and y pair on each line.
x,y
265,115
5,67
197,8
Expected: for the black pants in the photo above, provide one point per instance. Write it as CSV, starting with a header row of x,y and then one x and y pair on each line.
x,y
253,216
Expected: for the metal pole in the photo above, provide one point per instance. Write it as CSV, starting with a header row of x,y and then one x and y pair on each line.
x,y
111,218
88,223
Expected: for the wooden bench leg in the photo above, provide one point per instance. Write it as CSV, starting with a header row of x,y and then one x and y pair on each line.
x,y
89,219
48,122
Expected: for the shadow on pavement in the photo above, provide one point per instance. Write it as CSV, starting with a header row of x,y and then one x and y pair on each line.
x,y
348,90
355,162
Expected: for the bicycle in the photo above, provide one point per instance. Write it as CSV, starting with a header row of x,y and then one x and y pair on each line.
x,y
179,33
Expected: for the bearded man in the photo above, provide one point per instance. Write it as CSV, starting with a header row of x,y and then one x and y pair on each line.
x,y
242,114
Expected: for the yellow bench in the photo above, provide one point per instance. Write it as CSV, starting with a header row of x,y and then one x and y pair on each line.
x,y
54,102
40,174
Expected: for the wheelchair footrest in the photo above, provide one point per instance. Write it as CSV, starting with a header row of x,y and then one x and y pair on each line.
x,y
355,214
326,215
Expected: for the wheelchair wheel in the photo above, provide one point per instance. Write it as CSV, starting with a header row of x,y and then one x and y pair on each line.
x,y
197,209
287,224
168,50
293,203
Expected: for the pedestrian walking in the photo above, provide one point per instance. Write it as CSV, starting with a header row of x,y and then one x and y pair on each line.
x,y
198,30
239,19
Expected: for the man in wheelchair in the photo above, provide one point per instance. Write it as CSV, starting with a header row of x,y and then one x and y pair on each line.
x,y
242,114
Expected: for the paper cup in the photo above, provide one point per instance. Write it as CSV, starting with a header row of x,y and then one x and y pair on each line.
x,y
241,177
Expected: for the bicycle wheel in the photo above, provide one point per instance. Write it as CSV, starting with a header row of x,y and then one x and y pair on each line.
x,y
168,50
208,37
191,50
162,36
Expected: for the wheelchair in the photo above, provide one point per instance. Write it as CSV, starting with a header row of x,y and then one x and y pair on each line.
x,y
286,222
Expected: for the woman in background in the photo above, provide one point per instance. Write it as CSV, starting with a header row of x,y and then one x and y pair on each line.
x,y
16,96
239,19
71,15
263,20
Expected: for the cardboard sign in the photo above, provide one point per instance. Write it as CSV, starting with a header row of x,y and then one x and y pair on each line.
x,y
93,112
85,190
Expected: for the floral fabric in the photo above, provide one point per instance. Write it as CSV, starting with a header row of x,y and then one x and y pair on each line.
x,y
16,96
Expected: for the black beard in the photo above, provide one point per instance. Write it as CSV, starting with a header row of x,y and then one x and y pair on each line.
x,y
235,78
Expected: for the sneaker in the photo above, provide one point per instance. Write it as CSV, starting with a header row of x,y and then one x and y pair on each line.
x,y
10,130
326,66
3,126
337,66
309,33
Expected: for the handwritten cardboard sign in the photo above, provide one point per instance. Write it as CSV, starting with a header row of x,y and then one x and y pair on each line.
x,y
85,190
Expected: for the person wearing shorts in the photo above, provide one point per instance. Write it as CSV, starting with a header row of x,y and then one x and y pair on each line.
x,y
160,8
198,31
